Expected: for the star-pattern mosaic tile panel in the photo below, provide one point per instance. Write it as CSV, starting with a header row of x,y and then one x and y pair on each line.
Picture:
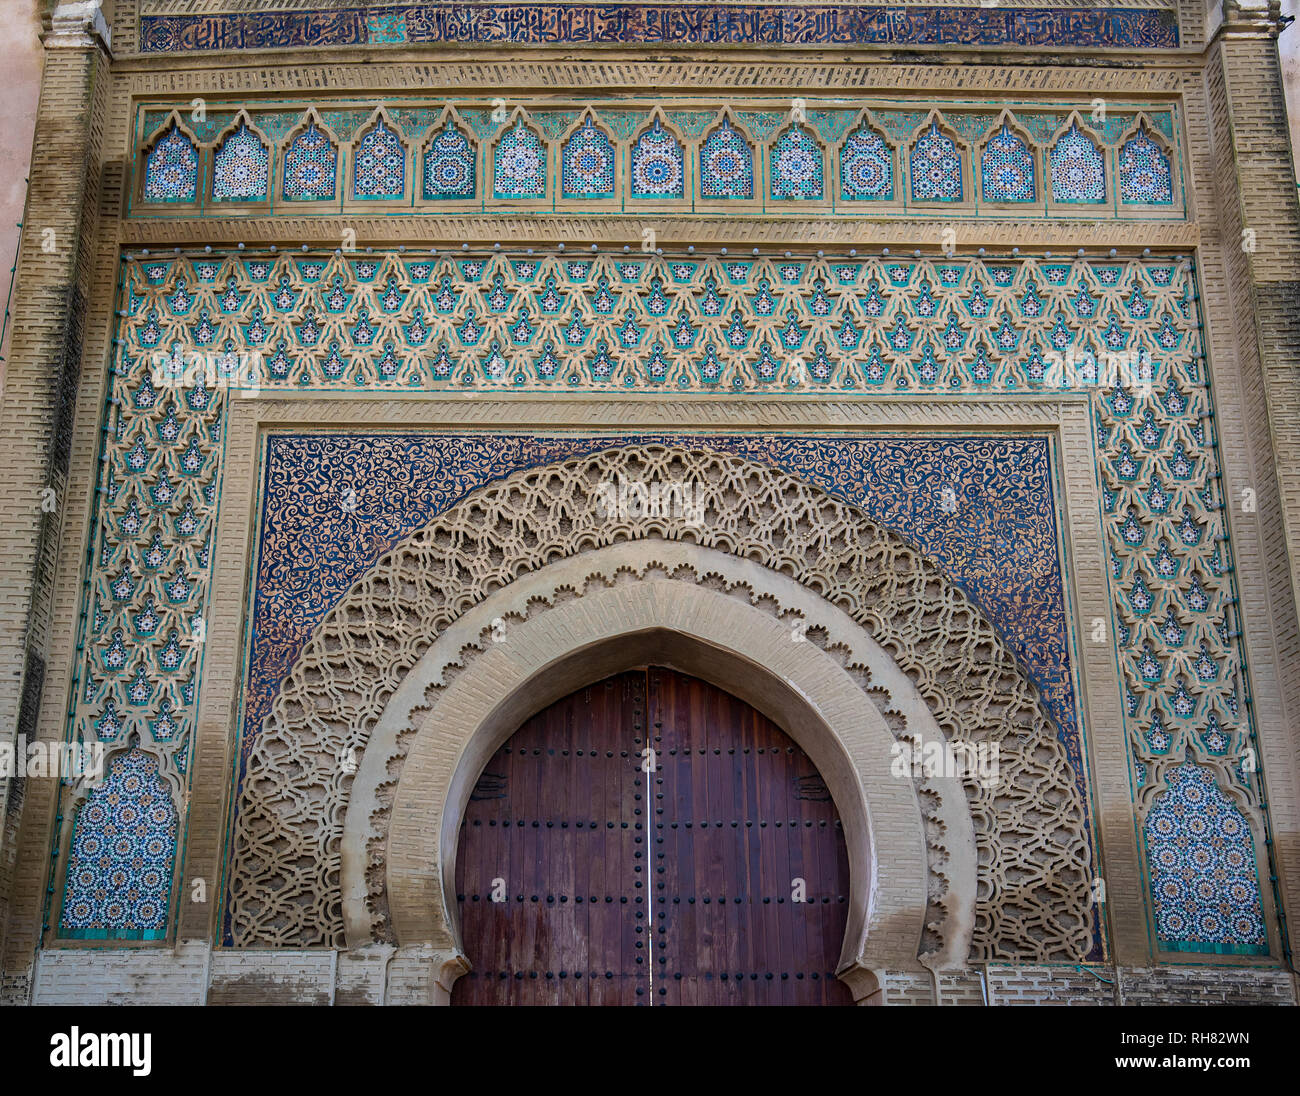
x,y
726,164
775,162
119,871
866,167
1144,172
658,164
1202,861
171,169
936,168
1127,332
379,170
1078,169
519,164
310,166
1007,169
587,165
449,165
797,166
241,168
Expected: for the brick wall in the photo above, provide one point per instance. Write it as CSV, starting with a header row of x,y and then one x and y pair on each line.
x,y
1050,985
1209,986
41,382
1289,47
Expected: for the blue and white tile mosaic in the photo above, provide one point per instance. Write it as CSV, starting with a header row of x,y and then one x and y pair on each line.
x,y
379,164
1144,173
658,164
119,872
936,167
171,169
726,164
241,168
449,165
1201,856
797,166
519,164
310,166
1078,168
587,164
1007,169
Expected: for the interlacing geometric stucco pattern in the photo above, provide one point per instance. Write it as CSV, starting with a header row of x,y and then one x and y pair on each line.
x,y
1001,520
401,321
644,322
1034,887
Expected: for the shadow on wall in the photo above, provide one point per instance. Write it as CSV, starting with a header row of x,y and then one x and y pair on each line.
x,y
20,61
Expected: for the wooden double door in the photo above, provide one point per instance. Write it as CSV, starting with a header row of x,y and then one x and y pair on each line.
x,y
651,840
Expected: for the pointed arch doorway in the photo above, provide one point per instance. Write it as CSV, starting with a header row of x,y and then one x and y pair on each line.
x,y
651,839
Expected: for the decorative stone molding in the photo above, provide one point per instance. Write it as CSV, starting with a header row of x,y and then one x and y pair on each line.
x,y
1247,19
78,24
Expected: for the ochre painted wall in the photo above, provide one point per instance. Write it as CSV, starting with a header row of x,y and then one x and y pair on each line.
x,y
20,62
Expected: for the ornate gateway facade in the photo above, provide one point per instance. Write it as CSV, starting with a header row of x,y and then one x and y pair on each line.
x,y
654,503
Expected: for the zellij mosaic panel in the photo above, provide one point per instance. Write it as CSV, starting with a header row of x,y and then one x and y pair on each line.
x,y
1127,332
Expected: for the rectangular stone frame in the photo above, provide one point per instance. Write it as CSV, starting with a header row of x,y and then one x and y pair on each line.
x,y
1064,420
1248,453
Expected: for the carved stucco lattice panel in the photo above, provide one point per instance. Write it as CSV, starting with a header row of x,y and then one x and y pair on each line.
x,y
1032,899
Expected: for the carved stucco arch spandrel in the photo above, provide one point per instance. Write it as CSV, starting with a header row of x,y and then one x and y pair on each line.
x,y
706,613
1034,862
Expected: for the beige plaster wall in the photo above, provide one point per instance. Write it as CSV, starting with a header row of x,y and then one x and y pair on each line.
x,y
20,79
1289,45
